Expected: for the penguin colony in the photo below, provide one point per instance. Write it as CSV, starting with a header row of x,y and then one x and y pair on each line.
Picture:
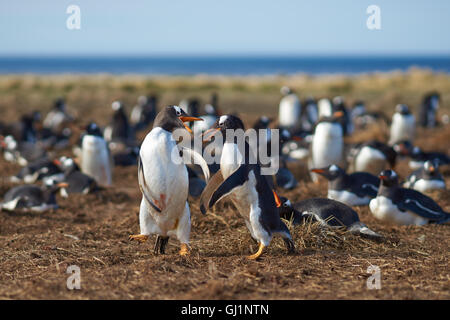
x,y
312,132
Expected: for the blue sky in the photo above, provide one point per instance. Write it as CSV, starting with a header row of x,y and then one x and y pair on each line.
x,y
232,27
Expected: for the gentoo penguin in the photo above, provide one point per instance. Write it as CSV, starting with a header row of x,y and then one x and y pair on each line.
x,y
355,189
428,110
144,112
418,156
163,180
403,125
373,157
208,120
289,110
310,114
328,143
241,179
23,153
327,212
32,197
362,118
37,170
77,182
345,120
426,178
404,206
57,117
95,156
191,107
325,108
119,130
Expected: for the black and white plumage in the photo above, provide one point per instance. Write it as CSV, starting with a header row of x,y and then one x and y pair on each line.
x,y
22,152
404,206
38,170
57,117
128,157
428,110
196,184
373,157
144,112
32,197
426,178
328,213
345,120
289,110
164,182
77,182
119,130
418,157
95,156
355,189
403,125
240,178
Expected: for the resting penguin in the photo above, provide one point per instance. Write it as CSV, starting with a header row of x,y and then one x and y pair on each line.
x,y
373,157
32,197
355,189
328,143
327,212
77,181
37,170
403,125
240,178
404,206
418,156
163,180
95,156
426,178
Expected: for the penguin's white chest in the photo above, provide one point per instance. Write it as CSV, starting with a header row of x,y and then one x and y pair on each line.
x,y
423,185
370,160
402,128
95,159
231,159
384,209
289,111
347,198
327,145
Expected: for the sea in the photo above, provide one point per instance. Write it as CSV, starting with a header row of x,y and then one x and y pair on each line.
x,y
216,65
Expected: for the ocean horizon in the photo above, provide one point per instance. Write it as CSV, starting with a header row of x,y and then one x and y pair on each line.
x,y
216,65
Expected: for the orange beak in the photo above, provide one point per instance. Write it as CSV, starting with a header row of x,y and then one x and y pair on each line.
x,y
297,138
338,114
432,169
318,170
62,185
187,119
57,162
208,134
383,177
277,199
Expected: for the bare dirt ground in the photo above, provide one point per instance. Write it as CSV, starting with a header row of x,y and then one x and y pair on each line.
x,y
92,232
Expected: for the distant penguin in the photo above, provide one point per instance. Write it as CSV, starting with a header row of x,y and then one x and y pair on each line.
x,y
327,212
37,170
208,120
289,109
57,117
373,157
325,108
355,189
119,130
426,178
144,112
404,206
328,143
345,120
428,110
164,182
310,114
32,197
77,182
95,157
403,125
23,153
249,190
128,157
196,184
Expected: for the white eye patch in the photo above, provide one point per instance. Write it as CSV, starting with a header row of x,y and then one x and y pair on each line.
x,y
334,168
177,110
222,119
393,174
115,105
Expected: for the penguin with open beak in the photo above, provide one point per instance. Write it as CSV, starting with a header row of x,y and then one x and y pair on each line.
x,y
404,206
240,178
164,182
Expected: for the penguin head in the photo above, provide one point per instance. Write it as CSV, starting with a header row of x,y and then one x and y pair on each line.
x,y
53,186
330,173
285,90
173,117
404,148
93,129
388,178
142,100
286,209
59,104
431,166
262,123
403,109
117,105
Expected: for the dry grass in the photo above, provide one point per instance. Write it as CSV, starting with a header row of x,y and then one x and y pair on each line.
x,y
92,231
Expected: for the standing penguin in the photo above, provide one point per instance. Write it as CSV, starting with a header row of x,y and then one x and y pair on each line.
x,y
404,206
95,156
428,110
119,129
144,112
289,110
403,125
164,183
241,178
328,143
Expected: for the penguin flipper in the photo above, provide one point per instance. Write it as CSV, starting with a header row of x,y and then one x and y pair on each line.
x,y
369,189
143,186
198,159
212,186
421,205
236,179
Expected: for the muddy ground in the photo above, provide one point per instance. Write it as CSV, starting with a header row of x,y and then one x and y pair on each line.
x,y
92,232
